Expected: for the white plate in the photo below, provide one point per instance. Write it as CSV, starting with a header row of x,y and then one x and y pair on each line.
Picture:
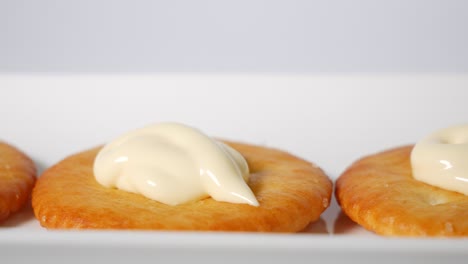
x,y
329,119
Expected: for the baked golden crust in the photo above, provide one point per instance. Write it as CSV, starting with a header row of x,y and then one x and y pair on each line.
x,y
291,193
17,177
379,193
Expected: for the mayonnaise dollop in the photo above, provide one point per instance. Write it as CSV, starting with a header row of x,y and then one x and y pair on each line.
x,y
441,159
174,164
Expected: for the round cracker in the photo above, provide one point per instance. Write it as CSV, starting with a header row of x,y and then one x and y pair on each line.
x,y
379,193
291,192
17,177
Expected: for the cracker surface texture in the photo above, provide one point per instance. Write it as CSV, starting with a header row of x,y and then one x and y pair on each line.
x,y
380,193
292,193
17,177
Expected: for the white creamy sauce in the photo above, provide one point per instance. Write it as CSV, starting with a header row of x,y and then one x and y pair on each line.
x,y
441,159
174,164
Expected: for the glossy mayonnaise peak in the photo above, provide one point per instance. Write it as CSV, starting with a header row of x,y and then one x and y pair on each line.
x,y
441,159
173,164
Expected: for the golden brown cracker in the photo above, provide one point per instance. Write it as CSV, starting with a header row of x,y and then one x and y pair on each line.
x,y
17,177
380,193
291,192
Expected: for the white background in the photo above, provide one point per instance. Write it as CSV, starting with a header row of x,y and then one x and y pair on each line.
x,y
234,36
